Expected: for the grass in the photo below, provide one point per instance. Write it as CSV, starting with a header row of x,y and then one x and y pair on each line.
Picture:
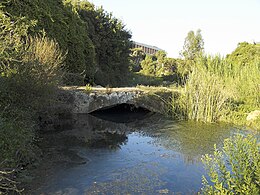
x,y
217,90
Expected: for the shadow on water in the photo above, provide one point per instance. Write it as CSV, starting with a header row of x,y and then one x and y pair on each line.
x,y
122,113
124,151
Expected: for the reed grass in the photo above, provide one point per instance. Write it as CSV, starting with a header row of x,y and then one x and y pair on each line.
x,y
217,89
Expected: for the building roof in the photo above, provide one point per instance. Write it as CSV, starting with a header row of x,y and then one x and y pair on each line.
x,y
149,46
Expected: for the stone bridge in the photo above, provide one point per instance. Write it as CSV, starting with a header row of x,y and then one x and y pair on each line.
x,y
80,100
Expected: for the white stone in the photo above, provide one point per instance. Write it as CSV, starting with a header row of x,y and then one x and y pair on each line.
x,y
253,115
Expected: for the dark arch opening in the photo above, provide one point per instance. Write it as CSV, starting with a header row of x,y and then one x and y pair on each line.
x,y
122,113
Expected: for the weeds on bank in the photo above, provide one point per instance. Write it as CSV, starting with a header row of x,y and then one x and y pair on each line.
x,y
88,88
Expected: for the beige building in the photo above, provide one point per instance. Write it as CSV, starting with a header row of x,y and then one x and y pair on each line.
x,y
148,49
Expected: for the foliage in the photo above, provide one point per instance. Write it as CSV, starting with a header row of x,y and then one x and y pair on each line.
x,y
204,97
235,169
245,54
59,21
193,45
112,43
137,56
46,59
88,88
140,79
217,88
29,71
149,66
16,143
193,48
158,65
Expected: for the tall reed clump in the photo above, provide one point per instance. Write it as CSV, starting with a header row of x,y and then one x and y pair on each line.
x,y
205,95
218,89
245,83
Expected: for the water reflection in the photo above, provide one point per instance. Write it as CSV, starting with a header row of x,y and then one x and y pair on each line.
x,y
146,155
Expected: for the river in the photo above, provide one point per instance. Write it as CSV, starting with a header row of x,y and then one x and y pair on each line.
x,y
124,152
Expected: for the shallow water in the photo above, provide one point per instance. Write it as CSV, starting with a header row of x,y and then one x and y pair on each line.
x,y
151,155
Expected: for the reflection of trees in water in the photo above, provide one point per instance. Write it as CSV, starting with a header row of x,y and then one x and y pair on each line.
x,y
108,140
191,139
95,132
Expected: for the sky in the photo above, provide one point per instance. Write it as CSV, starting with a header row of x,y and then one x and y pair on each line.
x,y
166,23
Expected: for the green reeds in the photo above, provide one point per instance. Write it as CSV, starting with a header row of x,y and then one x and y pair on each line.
x,y
217,89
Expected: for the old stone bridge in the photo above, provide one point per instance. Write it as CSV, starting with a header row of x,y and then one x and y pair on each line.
x,y
80,100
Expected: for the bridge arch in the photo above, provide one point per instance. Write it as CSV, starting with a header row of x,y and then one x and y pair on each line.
x,y
81,101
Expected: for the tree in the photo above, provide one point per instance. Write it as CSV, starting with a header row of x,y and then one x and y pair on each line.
x,y
111,41
136,57
59,20
244,54
193,45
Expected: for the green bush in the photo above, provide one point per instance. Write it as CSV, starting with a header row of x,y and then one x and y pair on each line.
x,y
29,72
235,169
59,20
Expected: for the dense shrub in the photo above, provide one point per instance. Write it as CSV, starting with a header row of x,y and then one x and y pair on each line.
x,y
235,169
58,20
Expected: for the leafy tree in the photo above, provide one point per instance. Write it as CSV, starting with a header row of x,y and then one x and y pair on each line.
x,y
193,48
111,40
149,66
244,54
137,56
158,65
193,45
28,71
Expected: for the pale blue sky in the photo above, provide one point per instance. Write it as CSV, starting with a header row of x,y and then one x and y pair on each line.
x,y
165,23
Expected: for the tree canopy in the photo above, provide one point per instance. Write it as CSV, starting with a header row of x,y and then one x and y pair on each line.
x,y
98,44
193,45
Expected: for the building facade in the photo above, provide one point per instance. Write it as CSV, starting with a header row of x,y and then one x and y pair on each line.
x,y
147,49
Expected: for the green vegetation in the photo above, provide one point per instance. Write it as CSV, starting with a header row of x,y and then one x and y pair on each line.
x,y
111,42
45,44
235,169
220,89
59,21
212,88
29,71
80,28
152,70
88,88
